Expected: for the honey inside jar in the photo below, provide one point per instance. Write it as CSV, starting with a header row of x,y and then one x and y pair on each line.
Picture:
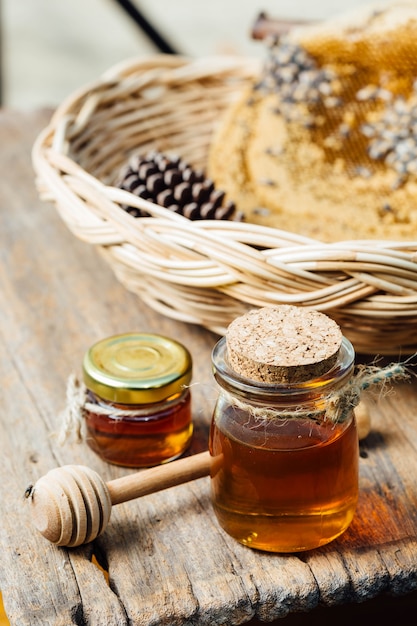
x,y
284,446
145,438
285,486
138,407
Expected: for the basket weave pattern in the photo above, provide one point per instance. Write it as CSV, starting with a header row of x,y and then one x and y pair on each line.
x,y
207,272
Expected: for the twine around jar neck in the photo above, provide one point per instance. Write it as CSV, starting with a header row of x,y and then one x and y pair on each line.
x,y
335,406
77,404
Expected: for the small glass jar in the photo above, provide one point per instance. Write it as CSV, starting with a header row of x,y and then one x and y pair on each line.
x,y
138,407
285,456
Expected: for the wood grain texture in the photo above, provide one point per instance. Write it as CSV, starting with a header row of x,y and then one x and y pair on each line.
x,y
168,561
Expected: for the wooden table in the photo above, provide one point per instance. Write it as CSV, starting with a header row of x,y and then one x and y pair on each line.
x,y
168,562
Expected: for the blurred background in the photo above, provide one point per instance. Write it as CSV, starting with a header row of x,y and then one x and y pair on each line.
x,y
52,47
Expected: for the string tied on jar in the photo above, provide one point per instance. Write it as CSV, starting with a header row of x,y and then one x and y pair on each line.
x,y
337,405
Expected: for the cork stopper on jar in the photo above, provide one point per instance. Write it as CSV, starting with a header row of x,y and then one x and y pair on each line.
x,y
284,344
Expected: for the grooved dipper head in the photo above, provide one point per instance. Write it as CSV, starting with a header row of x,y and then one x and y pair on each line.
x,y
70,505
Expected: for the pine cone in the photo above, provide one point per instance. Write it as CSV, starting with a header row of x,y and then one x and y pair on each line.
x,y
171,183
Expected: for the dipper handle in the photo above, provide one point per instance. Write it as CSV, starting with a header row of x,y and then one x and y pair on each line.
x,y
159,478
71,505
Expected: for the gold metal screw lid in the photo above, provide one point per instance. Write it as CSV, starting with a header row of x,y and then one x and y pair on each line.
x,y
137,368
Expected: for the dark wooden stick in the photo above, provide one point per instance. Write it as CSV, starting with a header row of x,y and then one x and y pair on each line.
x,y
266,26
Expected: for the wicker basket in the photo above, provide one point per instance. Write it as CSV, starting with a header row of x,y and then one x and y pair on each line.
x,y
207,272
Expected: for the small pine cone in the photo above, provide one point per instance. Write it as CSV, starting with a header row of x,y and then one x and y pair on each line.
x,y
171,183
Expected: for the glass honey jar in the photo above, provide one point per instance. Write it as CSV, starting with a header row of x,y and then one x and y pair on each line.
x,y
283,440
138,405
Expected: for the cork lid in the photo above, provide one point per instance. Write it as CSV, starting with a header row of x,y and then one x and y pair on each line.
x,y
284,344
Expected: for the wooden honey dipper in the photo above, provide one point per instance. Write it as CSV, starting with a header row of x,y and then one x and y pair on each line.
x,y
71,505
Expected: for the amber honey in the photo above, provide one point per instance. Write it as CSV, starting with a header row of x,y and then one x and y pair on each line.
x,y
286,485
146,438
284,473
138,404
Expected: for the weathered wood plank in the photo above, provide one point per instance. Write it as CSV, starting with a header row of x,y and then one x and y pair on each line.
x,y
41,585
167,558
